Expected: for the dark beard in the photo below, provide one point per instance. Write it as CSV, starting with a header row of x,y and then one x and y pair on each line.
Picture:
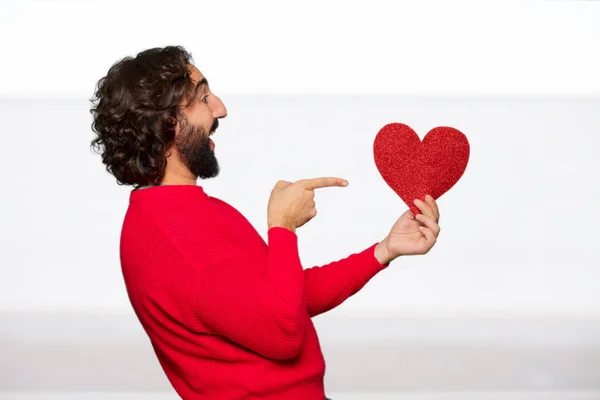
x,y
193,146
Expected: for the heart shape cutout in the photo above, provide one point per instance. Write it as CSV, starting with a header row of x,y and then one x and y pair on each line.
x,y
415,168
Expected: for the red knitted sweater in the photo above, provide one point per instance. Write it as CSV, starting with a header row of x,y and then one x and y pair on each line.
x,y
229,315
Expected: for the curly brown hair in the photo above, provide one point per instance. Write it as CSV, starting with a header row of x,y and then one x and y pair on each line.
x,y
135,109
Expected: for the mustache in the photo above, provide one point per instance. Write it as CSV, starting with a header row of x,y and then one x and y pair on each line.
x,y
215,125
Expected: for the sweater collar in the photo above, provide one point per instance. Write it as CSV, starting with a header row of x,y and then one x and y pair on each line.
x,y
166,190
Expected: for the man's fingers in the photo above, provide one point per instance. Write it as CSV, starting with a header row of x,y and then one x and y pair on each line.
x,y
428,234
432,203
316,183
429,223
424,208
282,184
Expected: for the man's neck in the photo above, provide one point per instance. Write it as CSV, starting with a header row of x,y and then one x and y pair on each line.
x,y
176,173
178,177
178,181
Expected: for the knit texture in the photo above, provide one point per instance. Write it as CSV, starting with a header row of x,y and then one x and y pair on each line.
x,y
228,315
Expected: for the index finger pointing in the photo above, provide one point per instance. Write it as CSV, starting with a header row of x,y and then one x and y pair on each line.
x,y
317,183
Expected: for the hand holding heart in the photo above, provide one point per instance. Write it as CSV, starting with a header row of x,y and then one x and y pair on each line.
x,y
411,234
417,170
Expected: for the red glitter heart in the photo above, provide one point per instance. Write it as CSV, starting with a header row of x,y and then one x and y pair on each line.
x,y
415,168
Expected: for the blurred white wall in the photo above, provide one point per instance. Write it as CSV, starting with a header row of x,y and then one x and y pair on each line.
x,y
308,85
519,230
61,47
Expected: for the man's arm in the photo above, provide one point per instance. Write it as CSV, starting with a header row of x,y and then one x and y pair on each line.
x,y
261,307
329,285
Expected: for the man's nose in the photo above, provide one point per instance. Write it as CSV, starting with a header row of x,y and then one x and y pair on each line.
x,y
219,110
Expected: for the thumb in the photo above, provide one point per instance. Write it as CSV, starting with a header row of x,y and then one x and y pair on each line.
x,y
283,184
408,213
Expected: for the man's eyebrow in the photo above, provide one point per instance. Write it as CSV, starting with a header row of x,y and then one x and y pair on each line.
x,y
201,82
194,94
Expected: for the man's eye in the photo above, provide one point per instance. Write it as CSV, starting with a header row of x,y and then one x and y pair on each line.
x,y
204,98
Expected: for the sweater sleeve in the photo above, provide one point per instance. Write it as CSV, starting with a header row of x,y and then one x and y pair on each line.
x,y
329,285
261,307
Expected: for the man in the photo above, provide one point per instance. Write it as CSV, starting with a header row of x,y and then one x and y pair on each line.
x,y
228,314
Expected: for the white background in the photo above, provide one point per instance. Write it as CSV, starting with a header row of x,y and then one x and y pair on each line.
x,y
308,84
55,47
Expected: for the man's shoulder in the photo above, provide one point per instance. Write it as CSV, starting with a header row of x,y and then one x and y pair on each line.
x,y
166,229
170,215
201,234
185,214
